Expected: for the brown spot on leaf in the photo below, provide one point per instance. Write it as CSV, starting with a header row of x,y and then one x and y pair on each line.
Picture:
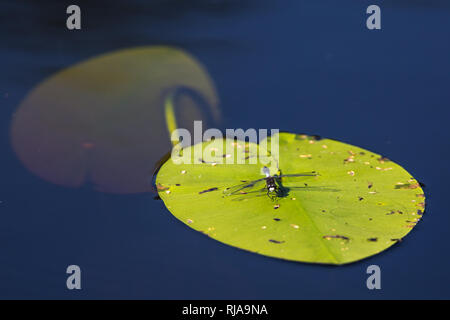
x,y
407,186
394,211
275,241
309,156
160,187
301,136
329,237
372,239
349,159
383,160
208,190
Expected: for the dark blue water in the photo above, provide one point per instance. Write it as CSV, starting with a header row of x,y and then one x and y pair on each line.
x,y
301,66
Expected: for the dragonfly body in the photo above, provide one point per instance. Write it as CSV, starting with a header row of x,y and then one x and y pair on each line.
x,y
271,184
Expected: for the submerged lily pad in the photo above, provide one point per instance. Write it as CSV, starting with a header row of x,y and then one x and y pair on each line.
x,y
358,205
102,121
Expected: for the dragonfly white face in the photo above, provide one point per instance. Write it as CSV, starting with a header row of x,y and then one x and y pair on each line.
x,y
266,171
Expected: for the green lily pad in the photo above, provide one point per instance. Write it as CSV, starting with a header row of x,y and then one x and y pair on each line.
x,y
357,205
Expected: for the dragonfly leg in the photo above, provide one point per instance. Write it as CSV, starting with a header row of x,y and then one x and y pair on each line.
x,y
271,196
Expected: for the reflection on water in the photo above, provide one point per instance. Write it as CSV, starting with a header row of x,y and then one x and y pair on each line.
x,y
102,121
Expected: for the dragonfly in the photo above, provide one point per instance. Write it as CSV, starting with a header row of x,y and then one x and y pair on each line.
x,y
272,184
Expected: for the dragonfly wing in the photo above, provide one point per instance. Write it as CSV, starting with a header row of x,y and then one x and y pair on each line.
x,y
303,174
243,187
250,195
313,188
